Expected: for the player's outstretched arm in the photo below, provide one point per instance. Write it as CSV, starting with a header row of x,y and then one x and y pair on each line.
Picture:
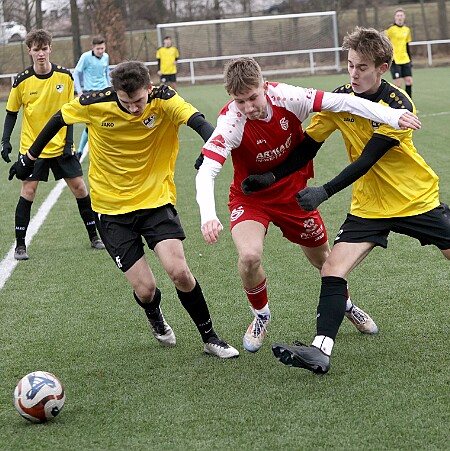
x,y
311,197
300,155
370,110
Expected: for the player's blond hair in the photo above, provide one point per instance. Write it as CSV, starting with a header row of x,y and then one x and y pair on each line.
x,y
241,75
372,44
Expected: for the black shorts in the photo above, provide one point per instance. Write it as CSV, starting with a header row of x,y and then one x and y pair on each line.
x,y
122,234
168,77
432,227
67,167
401,70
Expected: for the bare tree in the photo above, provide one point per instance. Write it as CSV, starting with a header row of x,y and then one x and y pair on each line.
x,y
108,19
39,23
76,41
442,15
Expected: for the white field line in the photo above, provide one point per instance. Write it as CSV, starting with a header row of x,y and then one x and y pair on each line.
x,y
8,263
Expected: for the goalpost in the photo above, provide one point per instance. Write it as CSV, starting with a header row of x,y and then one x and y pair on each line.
x,y
281,43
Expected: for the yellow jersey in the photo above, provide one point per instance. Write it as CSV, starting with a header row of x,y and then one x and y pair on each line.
x,y
41,96
401,183
132,159
167,57
399,36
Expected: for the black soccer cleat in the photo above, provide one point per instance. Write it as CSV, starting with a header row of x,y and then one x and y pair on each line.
x,y
308,357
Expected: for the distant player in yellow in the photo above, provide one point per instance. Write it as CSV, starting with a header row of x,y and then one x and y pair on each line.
x,y
400,36
133,141
394,190
167,57
41,90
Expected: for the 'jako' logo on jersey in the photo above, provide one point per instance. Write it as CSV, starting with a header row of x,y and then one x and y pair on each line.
x,y
284,123
60,88
150,121
108,124
236,213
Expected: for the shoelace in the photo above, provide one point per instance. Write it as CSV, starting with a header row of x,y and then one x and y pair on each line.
x,y
259,326
358,316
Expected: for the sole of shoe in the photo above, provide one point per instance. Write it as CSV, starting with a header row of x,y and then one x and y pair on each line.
x,y
250,347
290,358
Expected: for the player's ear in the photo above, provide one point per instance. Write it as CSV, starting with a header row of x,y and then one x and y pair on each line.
x,y
383,68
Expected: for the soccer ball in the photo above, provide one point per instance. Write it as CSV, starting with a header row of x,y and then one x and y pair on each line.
x,y
39,396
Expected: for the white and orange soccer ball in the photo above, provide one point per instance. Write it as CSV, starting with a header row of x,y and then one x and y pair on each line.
x,y
39,396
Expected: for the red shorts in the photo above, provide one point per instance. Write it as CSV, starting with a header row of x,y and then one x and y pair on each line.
x,y
298,226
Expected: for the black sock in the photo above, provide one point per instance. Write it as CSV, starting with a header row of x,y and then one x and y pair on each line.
x,y
331,308
87,215
150,307
195,304
408,89
23,214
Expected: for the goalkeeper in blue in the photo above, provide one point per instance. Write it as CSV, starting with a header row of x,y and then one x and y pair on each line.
x,y
394,189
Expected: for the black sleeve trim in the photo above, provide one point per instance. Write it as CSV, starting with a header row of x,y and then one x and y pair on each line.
x,y
297,158
8,127
376,147
203,127
48,132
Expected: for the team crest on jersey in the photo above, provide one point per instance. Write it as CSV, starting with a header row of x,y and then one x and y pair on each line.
x,y
376,125
284,123
150,121
60,88
218,141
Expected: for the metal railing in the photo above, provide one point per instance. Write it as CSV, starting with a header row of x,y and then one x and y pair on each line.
x,y
312,68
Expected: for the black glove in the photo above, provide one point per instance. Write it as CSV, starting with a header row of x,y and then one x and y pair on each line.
x,y
22,168
257,182
68,151
198,161
311,197
6,150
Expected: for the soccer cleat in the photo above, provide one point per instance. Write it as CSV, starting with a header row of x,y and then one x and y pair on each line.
x,y
20,253
97,243
302,356
361,320
256,332
160,329
216,346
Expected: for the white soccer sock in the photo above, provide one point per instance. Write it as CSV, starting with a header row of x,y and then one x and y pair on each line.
x,y
265,311
325,344
349,304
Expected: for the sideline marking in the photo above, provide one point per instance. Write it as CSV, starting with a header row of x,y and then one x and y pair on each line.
x,y
8,264
442,113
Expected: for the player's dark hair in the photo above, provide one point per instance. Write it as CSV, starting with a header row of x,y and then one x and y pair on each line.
x,y
241,75
371,44
130,76
96,40
39,38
